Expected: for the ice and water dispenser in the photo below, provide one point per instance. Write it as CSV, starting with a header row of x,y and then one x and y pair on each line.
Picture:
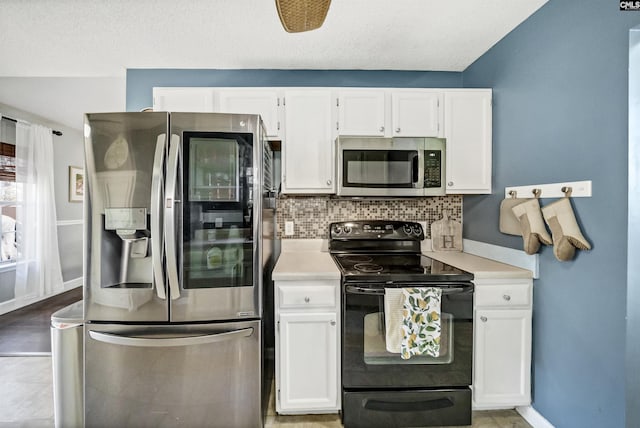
x,y
130,225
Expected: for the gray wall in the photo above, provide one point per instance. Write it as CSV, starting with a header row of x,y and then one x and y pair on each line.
x,y
560,114
67,151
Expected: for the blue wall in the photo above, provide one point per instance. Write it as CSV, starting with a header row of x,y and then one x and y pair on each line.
x,y
560,114
141,81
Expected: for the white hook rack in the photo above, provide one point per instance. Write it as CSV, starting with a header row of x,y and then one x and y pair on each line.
x,y
578,189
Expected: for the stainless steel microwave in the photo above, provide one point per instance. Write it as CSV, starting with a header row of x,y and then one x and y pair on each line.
x,y
390,166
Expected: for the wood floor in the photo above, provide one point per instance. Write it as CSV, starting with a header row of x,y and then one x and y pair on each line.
x,y
26,385
26,331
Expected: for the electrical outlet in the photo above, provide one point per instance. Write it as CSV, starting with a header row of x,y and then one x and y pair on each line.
x,y
288,228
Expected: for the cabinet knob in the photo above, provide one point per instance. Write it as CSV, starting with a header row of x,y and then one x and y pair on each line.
x,y
506,297
381,129
307,300
483,319
398,130
328,182
450,183
333,322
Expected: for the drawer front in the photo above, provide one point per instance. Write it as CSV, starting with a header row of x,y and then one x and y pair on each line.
x,y
307,296
503,295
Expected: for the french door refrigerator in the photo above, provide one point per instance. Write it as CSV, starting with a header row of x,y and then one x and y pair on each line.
x,y
174,255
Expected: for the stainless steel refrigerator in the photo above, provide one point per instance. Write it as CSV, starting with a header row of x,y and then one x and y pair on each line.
x,y
177,233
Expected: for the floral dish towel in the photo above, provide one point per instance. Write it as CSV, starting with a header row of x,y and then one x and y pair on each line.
x,y
421,322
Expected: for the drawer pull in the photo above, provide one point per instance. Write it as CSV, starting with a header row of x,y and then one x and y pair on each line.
x,y
307,299
483,319
333,322
506,297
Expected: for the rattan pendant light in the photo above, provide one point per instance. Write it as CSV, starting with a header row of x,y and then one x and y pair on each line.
x,y
302,15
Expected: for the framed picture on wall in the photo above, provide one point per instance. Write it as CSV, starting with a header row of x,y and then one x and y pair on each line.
x,y
76,184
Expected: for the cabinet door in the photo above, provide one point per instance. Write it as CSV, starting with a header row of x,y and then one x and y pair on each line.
x,y
416,113
501,375
468,134
307,164
183,99
308,357
361,113
264,103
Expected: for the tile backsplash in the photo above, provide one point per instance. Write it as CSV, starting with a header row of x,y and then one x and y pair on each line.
x,y
312,214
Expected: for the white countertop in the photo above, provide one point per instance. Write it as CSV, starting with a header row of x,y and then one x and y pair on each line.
x,y
309,259
480,267
301,263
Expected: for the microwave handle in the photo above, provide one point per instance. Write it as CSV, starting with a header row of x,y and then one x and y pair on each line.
x,y
417,170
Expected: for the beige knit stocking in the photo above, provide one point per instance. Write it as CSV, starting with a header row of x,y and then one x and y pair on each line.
x,y
564,229
533,230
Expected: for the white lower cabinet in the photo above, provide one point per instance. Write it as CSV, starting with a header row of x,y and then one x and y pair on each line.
x,y
502,344
307,347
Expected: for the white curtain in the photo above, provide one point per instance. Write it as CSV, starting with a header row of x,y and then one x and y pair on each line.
x,y
38,271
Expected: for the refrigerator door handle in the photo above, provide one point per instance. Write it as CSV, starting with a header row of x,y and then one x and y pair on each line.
x,y
157,195
115,339
170,217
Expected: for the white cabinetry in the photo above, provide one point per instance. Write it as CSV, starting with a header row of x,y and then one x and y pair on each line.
x,y
308,154
183,99
308,120
307,347
266,103
361,112
502,344
416,113
397,113
467,117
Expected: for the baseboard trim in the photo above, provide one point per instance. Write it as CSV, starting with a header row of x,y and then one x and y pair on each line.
x,y
535,419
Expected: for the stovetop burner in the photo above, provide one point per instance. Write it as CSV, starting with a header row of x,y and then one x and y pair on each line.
x,y
385,251
368,267
357,259
397,268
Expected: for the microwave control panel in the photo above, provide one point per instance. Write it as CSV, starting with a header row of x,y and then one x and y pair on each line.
x,y
432,168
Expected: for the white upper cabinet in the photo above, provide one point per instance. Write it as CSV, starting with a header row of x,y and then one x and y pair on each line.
x,y
390,113
468,131
266,103
361,113
307,149
183,99
416,113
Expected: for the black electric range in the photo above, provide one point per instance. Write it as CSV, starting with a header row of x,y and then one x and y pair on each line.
x,y
379,388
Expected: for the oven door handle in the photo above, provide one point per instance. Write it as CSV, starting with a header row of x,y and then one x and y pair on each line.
x,y
354,289
408,406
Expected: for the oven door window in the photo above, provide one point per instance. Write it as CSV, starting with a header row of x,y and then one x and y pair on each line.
x,y
380,168
375,349
368,363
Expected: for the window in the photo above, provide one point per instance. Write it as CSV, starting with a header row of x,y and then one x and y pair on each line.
x,y
8,248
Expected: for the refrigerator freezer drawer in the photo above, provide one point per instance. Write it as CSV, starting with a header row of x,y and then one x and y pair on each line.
x,y
173,375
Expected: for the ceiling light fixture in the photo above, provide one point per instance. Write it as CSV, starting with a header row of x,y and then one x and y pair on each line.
x,y
302,15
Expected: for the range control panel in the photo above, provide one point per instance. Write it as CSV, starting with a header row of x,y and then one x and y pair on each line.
x,y
376,229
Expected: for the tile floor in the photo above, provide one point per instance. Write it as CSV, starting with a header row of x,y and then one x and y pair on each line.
x,y
26,401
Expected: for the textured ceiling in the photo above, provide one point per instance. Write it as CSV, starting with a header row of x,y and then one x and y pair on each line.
x,y
93,38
